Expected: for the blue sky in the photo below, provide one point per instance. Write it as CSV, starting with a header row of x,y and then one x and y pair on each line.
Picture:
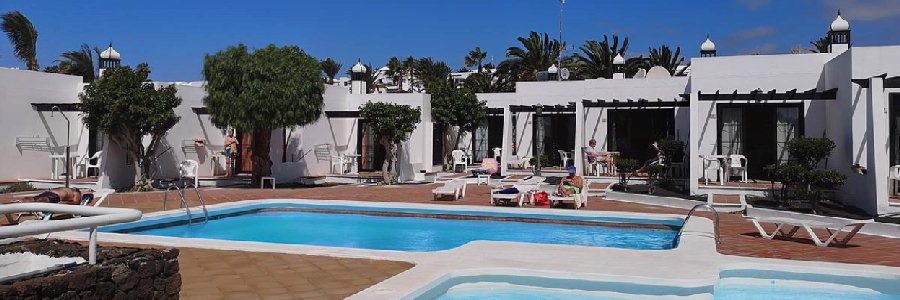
x,y
173,36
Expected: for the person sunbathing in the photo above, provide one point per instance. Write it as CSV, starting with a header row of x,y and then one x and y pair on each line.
x,y
71,196
571,184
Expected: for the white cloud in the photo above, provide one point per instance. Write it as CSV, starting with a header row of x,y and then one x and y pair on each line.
x,y
754,4
865,10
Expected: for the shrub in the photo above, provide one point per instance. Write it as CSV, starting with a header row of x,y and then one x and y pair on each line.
x,y
800,178
21,186
626,168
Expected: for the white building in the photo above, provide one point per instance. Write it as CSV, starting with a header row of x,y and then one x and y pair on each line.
x,y
747,105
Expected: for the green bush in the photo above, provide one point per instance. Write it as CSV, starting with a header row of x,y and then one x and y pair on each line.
x,y
653,176
672,149
800,178
626,168
21,186
542,159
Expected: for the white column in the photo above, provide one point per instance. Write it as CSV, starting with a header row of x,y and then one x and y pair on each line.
x,y
694,167
579,136
507,142
879,160
428,140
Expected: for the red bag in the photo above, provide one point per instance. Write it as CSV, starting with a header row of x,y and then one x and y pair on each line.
x,y
541,199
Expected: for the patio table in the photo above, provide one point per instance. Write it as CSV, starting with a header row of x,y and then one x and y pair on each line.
x,y
55,160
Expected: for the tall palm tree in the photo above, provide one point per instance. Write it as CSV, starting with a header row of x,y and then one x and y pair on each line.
x,y
820,45
596,58
78,62
395,72
475,58
331,69
487,82
538,52
430,71
23,36
664,57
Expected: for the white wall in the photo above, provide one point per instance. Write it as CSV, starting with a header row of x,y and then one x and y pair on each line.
x,y
20,88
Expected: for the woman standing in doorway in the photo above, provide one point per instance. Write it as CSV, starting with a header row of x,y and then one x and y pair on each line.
x,y
230,153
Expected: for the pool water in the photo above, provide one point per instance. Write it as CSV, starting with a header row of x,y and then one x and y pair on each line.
x,y
407,233
742,292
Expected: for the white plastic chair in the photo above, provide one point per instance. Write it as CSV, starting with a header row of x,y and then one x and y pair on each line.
x,y
188,169
894,176
737,162
85,165
497,152
712,164
459,158
563,157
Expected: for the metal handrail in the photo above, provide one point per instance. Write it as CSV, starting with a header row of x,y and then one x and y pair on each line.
x,y
202,204
690,213
91,217
183,202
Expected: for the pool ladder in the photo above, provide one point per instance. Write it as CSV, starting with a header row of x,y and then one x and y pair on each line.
x,y
691,213
180,189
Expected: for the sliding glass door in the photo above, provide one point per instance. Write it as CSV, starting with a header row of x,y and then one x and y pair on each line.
x,y
759,132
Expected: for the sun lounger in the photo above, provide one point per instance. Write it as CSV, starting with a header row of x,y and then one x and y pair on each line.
x,y
456,187
579,200
525,190
787,227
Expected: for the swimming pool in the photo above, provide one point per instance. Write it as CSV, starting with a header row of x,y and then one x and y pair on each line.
x,y
731,284
408,229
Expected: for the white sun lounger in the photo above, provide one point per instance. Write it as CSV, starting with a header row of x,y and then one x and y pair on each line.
x,y
456,187
579,200
525,190
787,227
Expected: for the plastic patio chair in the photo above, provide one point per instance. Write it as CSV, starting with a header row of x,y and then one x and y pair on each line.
x,y
459,158
894,176
563,157
84,164
189,169
738,162
712,164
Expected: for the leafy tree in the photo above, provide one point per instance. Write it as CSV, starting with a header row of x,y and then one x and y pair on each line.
x,y
79,62
331,69
260,91
392,124
127,108
23,36
475,58
664,57
455,108
820,45
596,58
538,53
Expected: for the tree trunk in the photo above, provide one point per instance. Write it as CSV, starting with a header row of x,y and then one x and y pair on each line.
x,y
389,167
262,163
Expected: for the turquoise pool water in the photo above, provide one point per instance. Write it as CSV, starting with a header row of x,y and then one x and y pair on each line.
x,y
736,284
404,233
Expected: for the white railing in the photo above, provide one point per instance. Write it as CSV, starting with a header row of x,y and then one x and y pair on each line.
x,y
91,217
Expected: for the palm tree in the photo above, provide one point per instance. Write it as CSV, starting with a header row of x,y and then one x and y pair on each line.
x,y
23,36
664,57
331,69
488,82
596,58
820,45
429,71
538,52
475,58
78,62
395,72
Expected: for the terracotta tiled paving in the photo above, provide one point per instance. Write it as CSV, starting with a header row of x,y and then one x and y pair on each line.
x,y
738,238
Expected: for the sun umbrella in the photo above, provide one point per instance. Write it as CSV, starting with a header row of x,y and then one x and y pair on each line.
x,y
490,165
